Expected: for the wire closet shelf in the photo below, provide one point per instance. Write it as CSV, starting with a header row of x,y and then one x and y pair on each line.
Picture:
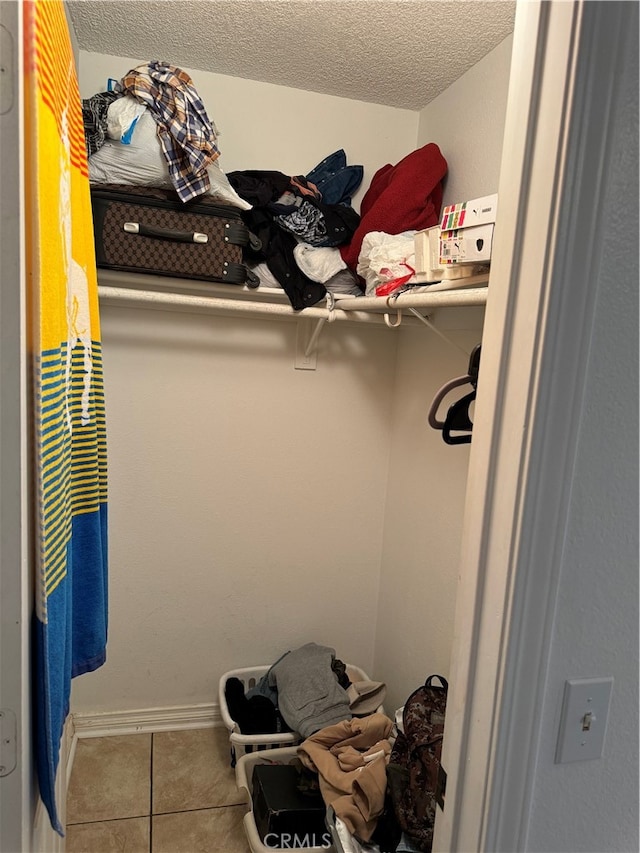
x,y
166,293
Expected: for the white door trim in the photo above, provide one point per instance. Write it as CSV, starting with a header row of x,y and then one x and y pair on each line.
x,y
16,785
536,338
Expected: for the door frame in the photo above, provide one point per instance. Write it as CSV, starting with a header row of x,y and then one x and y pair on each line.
x,y
536,340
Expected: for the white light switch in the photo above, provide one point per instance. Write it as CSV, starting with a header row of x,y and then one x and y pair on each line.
x,y
583,723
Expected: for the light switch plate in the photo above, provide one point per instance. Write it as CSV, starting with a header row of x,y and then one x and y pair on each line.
x,y
583,723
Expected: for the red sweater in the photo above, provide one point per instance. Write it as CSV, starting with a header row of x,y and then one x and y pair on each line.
x,y
404,197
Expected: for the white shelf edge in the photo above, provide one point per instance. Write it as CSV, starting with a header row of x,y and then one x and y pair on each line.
x,y
140,289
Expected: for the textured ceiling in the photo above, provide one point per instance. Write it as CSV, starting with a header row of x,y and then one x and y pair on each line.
x,y
400,53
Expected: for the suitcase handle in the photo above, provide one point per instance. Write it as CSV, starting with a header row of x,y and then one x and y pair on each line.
x,y
165,233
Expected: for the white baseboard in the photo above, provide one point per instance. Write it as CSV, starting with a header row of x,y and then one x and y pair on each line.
x,y
178,718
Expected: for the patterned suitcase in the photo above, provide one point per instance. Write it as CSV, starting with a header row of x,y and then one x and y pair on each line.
x,y
149,230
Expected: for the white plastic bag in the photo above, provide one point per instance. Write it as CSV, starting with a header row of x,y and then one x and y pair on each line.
x,y
142,163
122,116
385,257
319,263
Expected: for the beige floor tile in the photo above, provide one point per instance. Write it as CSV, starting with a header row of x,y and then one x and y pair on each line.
x,y
111,779
191,770
132,835
205,831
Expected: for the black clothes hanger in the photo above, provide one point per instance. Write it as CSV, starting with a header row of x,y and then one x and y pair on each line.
x,y
457,418
440,395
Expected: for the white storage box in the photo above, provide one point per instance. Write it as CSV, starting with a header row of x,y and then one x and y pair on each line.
x,y
468,214
250,676
466,245
427,260
466,235
427,254
244,776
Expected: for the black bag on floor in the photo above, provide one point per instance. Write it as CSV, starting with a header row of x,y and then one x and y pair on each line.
x,y
414,773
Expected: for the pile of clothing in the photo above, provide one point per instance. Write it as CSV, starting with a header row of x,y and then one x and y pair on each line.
x,y
346,744
351,760
304,691
401,200
151,129
313,240
299,230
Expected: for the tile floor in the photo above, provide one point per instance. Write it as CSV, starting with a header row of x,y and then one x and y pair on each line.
x,y
168,792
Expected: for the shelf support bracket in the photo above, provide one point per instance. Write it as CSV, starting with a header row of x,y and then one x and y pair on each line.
x,y
427,322
307,337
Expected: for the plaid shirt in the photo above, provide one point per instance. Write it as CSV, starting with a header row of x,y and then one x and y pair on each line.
x,y
187,136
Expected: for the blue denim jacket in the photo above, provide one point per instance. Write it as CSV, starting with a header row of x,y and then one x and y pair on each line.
x,y
336,181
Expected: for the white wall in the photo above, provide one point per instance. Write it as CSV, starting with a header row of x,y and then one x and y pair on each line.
x,y
593,805
467,122
427,478
263,126
246,500
424,512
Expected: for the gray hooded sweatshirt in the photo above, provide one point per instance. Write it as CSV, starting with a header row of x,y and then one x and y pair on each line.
x,y
309,696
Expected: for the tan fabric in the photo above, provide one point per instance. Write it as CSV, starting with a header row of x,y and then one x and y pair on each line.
x,y
365,697
350,758
351,761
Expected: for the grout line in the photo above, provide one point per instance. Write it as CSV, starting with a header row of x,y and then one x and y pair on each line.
x,y
159,814
151,796
199,809
107,820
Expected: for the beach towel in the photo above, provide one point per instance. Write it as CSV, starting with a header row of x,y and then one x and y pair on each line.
x,y
70,513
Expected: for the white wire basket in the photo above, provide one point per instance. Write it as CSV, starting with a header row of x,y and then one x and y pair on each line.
x,y
242,744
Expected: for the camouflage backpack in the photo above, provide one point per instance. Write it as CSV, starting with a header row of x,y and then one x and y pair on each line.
x,y
415,777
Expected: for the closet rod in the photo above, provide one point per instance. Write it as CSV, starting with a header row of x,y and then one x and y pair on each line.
x,y
150,299
366,309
